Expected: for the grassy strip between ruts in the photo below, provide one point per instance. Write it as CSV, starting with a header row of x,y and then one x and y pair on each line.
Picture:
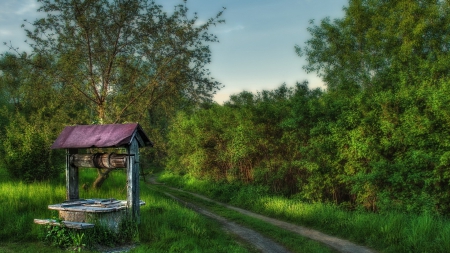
x,y
386,232
291,241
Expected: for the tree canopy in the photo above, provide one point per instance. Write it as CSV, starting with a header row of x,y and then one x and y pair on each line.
x,y
123,57
380,44
109,62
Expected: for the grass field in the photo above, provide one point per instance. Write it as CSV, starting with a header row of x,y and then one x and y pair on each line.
x,y
165,225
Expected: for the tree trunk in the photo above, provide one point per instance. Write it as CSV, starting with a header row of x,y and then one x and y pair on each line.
x,y
101,113
102,175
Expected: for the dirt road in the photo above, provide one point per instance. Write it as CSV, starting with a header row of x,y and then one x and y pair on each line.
x,y
265,244
260,242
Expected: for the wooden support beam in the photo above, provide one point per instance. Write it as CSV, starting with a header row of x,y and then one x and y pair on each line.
x,y
133,201
72,191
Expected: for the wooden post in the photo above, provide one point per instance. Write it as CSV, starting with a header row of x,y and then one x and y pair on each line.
x,y
133,201
72,192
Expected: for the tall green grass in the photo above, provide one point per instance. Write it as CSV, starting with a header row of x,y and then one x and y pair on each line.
x,y
20,203
165,225
114,187
387,232
390,232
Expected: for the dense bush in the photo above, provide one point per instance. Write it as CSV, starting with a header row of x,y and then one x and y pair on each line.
x,y
378,151
27,153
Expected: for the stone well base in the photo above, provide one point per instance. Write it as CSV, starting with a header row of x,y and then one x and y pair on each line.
x,y
110,220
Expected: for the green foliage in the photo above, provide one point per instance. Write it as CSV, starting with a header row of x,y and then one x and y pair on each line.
x,y
380,44
31,118
379,151
236,142
122,59
126,234
376,139
63,237
97,62
27,154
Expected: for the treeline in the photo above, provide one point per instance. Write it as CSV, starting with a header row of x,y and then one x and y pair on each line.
x,y
377,138
382,151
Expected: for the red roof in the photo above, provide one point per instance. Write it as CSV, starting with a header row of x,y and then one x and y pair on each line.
x,y
101,136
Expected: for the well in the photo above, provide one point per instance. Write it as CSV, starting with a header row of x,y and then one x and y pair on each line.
x,y
108,212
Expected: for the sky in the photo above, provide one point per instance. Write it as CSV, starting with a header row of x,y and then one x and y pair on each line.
x,y
256,43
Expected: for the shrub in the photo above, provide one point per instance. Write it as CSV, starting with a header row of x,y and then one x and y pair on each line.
x,y
27,153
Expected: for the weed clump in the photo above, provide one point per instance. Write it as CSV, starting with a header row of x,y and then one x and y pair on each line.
x,y
97,237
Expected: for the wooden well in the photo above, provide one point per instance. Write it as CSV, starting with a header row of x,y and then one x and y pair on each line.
x,y
111,211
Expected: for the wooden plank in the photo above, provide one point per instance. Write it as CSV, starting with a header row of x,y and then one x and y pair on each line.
x,y
69,224
70,205
93,205
77,203
140,140
107,200
88,209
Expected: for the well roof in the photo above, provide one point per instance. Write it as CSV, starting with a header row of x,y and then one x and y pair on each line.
x,y
101,136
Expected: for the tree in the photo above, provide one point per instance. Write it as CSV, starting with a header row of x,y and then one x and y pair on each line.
x,y
121,58
31,115
25,148
384,64
10,79
380,44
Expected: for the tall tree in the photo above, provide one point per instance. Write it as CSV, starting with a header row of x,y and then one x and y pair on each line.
x,y
376,41
123,58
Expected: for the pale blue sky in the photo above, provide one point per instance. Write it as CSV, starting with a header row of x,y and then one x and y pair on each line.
x,y
256,49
